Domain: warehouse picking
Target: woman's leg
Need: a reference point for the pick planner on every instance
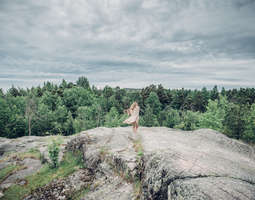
(134, 127)
(136, 123)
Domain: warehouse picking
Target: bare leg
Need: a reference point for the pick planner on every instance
(134, 127)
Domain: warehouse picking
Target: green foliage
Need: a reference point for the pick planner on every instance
(214, 93)
(179, 97)
(68, 108)
(153, 102)
(5, 114)
(162, 96)
(83, 82)
(112, 118)
(249, 131)
(51, 100)
(190, 121)
(87, 117)
(12, 120)
(169, 117)
(234, 121)
(215, 114)
(53, 150)
(75, 97)
(149, 119)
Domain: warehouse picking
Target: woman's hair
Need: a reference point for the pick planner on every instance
(133, 105)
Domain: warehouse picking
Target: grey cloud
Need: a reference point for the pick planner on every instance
(177, 43)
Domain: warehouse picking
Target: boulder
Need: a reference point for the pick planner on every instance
(201, 164)
(173, 164)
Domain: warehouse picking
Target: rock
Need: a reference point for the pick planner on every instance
(63, 188)
(202, 164)
(5, 185)
(1, 194)
(111, 188)
(21, 182)
(31, 166)
(6, 146)
(26, 143)
(156, 163)
(174, 164)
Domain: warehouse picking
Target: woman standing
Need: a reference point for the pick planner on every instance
(133, 112)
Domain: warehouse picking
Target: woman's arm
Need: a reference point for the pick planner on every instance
(128, 111)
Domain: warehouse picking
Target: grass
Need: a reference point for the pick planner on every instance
(138, 147)
(137, 189)
(10, 169)
(46, 174)
(58, 138)
(7, 171)
(32, 153)
(140, 153)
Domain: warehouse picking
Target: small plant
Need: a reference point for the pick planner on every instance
(137, 189)
(140, 153)
(53, 150)
(79, 159)
(128, 177)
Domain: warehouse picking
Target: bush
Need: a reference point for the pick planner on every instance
(215, 114)
(53, 150)
(190, 121)
(170, 117)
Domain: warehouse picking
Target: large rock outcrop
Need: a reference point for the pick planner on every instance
(160, 163)
(172, 164)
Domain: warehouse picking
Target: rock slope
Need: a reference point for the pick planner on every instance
(161, 163)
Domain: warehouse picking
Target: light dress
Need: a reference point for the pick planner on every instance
(134, 116)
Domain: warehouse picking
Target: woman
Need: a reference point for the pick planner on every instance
(133, 112)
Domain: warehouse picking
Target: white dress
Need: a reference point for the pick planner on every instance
(134, 116)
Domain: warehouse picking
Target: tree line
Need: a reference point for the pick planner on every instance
(68, 108)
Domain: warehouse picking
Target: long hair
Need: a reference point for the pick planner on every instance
(133, 105)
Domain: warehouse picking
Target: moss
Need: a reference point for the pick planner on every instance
(31, 153)
(7, 171)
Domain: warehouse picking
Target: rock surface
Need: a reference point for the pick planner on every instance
(31, 166)
(202, 164)
(11, 148)
(156, 163)
(63, 188)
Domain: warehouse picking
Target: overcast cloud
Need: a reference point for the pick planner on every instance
(128, 43)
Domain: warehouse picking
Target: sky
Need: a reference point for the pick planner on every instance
(128, 43)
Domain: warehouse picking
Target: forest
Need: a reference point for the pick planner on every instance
(68, 108)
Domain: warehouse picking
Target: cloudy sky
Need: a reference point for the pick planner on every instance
(128, 43)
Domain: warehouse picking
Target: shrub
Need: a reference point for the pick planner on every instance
(53, 150)
(190, 121)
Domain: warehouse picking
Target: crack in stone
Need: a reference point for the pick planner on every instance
(169, 181)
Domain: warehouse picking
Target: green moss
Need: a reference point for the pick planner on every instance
(43, 177)
(32, 153)
(5, 172)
